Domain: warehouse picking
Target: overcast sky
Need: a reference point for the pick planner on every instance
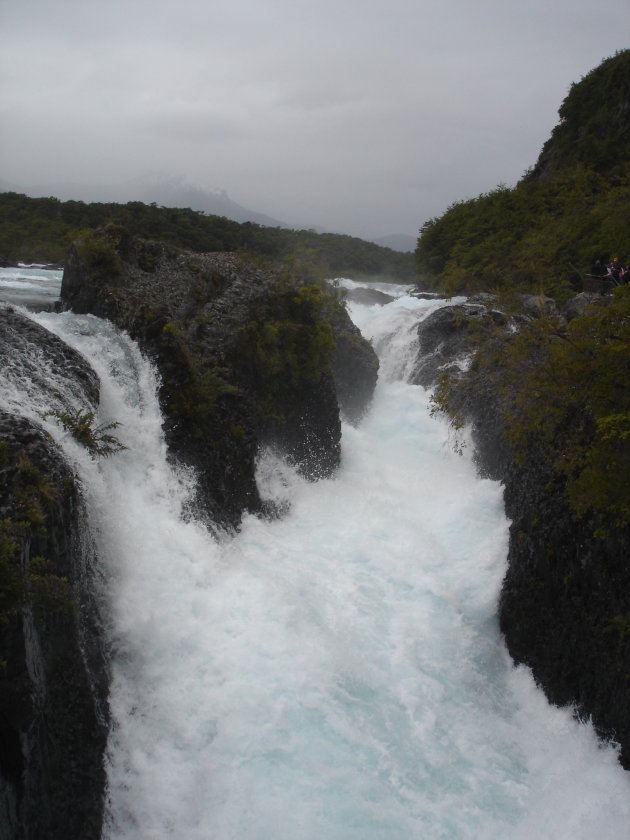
(361, 116)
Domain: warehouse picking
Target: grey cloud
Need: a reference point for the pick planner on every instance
(357, 115)
(188, 125)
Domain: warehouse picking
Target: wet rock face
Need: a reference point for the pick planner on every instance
(448, 339)
(564, 603)
(53, 678)
(240, 358)
(448, 336)
(355, 368)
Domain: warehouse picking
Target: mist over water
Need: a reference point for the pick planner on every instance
(338, 673)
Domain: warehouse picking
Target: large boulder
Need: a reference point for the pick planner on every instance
(449, 335)
(245, 358)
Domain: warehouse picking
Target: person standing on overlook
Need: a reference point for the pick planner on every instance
(615, 270)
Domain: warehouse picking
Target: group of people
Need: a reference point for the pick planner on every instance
(610, 274)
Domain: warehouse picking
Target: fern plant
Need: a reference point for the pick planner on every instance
(96, 439)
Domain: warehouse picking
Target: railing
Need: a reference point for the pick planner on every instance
(599, 285)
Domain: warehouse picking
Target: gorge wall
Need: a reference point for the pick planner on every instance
(565, 601)
(53, 673)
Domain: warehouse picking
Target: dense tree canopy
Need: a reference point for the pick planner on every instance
(593, 127)
(40, 230)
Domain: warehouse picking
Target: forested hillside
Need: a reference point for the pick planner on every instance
(571, 208)
(40, 230)
(565, 391)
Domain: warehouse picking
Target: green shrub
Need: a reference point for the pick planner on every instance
(96, 439)
(99, 254)
(567, 394)
(196, 395)
(292, 342)
(27, 579)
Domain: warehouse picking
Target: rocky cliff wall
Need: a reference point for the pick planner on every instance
(53, 673)
(565, 602)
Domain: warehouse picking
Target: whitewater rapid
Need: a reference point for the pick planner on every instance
(338, 673)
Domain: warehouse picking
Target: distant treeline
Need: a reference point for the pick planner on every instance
(40, 230)
(570, 209)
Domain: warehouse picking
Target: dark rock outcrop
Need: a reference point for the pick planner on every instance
(53, 671)
(447, 340)
(368, 297)
(244, 357)
(565, 602)
(354, 367)
(577, 305)
(448, 336)
(53, 679)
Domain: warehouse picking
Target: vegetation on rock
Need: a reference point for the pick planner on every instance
(565, 390)
(562, 393)
(96, 439)
(291, 342)
(99, 253)
(574, 402)
(24, 578)
(245, 355)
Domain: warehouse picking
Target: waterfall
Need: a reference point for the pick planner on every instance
(336, 673)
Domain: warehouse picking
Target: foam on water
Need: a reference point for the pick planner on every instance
(338, 673)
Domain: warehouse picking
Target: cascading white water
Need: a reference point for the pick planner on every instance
(338, 673)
